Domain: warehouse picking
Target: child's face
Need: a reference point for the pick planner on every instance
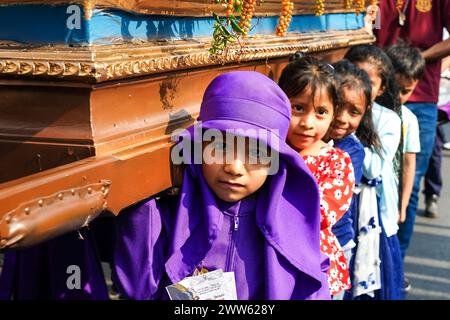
(375, 78)
(351, 113)
(311, 118)
(234, 176)
(406, 86)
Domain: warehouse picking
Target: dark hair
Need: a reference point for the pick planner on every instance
(305, 70)
(378, 58)
(350, 76)
(406, 60)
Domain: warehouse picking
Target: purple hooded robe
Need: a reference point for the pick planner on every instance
(270, 240)
(43, 271)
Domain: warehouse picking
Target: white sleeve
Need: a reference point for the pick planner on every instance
(389, 132)
(411, 142)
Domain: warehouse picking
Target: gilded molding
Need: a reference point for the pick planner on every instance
(111, 62)
(182, 7)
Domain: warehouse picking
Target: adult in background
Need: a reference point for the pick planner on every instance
(433, 177)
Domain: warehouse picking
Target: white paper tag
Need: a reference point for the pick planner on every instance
(230, 286)
(214, 285)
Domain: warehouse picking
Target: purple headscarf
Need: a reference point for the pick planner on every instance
(287, 206)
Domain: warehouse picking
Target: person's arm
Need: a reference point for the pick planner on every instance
(139, 251)
(409, 172)
(445, 63)
(441, 49)
(438, 51)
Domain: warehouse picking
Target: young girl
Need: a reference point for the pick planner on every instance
(352, 124)
(387, 280)
(231, 215)
(311, 88)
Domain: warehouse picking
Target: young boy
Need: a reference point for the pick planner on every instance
(409, 68)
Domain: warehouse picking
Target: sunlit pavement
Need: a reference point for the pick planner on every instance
(427, 264)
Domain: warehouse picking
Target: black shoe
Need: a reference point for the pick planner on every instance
(431, 206)
(406, 285)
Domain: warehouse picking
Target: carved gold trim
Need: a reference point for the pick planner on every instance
(110, 62)
(185, 7)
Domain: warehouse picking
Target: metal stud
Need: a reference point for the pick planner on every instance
(60, 196)
(72, 191)
(27, 211)
(89, 190)
(41, 203)
(8, 219)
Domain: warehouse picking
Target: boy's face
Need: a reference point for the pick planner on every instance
(406, 86)
(234, 172)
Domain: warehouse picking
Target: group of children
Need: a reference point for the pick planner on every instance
(322, 226)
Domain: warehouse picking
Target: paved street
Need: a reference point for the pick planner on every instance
(427, 264)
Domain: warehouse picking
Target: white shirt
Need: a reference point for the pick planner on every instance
(387, 124)
(411, 135)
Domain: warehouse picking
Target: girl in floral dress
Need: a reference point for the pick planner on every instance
(311, 87)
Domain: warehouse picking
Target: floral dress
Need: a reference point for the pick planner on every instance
(333, 171)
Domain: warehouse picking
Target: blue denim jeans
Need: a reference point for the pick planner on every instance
(426, 114)
(433, 176)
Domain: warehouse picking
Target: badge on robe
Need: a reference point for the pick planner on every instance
(424, 5)
(214, 285)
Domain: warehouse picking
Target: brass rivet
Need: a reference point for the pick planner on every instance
(27, 210)
(103, 188)
(8, 219)
(73, 191)
(89, 190)
(41, 203)
(60, 196)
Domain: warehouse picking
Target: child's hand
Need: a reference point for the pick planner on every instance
(401, 216)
